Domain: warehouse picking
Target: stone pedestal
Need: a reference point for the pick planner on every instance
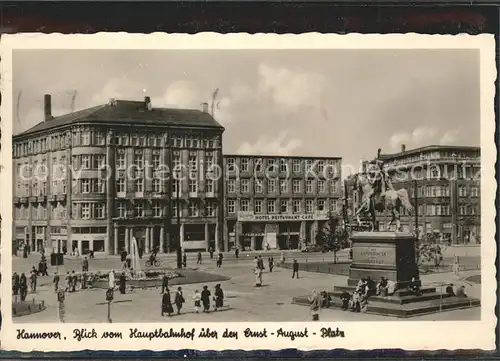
(383, 254)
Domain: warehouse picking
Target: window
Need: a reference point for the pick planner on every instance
(99, 210)
(122, 210)
(258, 206)
(231, 164)
(309, 205)
(296, 166)
(85, 161)
(99, 161)
(283, 165)
(231, 185)
(99, 138)
(193, 186)
(271, 186)
(156, 160)
(209, 162)
(474, 191)
(333, 205)
(175, 207)
(139, 209)
(156, 209)
(209, 186)
(296, 186)
(321, 186)
(139, 185)
(156, 186)
(209, 209)
(284, 206)
(100, 186)
(244, 165)
(139, 160)
(296, 206)
(86, 138)
(333, 187)
(193, 161)
(244, 205)
(245, 186)
(231, 206)
(63, 182)
(271, 206)
(176, 159)
(462, 191)
(176, 186)
(120, 161)
(258, 185)
(193, 209)
(85, 213)
(120, 185)
(284, 186)
(308, 165)
(309, 186)
(85, 185)
(321, 204)
(321, 166)
(258, 164)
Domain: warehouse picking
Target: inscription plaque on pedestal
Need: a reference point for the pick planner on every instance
(383, 254)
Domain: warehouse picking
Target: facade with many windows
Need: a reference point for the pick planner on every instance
(443, 183)
(97, 178)
(278, 202)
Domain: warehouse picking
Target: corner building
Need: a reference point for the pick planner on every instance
(443, 182)
(278, 202)
(95, 178)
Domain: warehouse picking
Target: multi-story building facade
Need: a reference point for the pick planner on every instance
(278, 202)
(443, 183)
(93, 179)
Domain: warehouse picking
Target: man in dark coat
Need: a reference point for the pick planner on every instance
(15, 284)
(198, 258)
(295, 269)
(271, 263)
(85, 264)
(211, 251)
(219, 260)
(122, 283)
(184, 260)
(164, 283)
(166, 304)
(23, 286)
(123, 255)
(205, 299)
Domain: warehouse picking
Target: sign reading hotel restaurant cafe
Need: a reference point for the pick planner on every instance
(252, 217)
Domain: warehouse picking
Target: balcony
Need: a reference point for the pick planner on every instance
(61, 197)
(23, 200)
(16, 200)
(51, 198)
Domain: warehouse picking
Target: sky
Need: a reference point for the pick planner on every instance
(339, 103)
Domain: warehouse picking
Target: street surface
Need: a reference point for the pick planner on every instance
(245, 303)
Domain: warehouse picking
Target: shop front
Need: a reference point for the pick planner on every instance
(280, 231)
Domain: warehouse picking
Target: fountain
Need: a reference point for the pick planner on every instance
(138, 273)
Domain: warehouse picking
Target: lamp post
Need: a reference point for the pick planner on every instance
(179, 250)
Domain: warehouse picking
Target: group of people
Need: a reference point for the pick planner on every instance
(199, 299)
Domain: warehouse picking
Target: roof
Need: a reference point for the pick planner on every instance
(429, 148)
(276, 156)
(133, 113)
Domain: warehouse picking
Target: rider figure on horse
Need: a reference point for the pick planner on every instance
(378, 176)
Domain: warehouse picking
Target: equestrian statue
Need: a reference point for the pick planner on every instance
(379, 195)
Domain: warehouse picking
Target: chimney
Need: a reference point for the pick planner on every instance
(147, 103)
(204, 107)
(403, 148)
(47, 107)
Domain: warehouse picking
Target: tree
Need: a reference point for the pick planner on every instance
(331, 236)
(428, 250)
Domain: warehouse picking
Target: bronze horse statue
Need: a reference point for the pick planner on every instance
(373, 200)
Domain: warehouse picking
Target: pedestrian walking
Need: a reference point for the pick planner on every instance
(179, 300)
(198, 258)
(211, 252)
(197, 301)
(315, 305)
(56, 282)
(33, 278)
(23, 286)
(61, 311)
(85, 264)
(184, 260)
(295, 268)
(219, 260)
(166, 303)
(205, 299)
(164, 283)
(219, 296)
(271, 263)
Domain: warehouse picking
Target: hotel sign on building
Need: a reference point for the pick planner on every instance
(252, 217)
